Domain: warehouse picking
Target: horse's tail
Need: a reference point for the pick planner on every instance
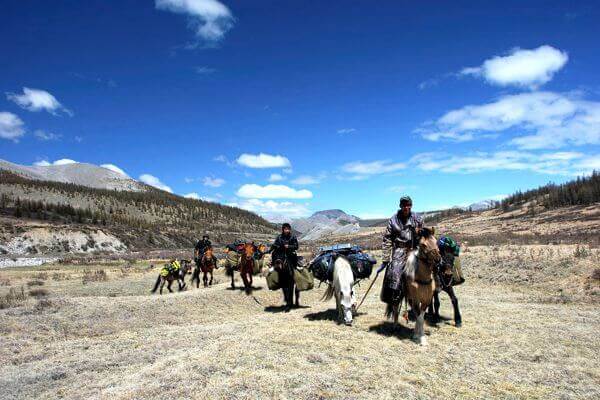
(328, 293)
(157, 284)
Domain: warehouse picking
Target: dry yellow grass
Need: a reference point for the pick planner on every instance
(114, 340)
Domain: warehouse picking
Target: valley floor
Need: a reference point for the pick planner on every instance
(111, 339)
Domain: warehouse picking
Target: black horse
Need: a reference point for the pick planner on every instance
(285, 268)
(445, 282)
(179, 276)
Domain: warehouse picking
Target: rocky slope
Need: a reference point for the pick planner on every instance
(326, 223)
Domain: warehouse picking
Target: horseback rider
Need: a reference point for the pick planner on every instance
(399, 239)
(201, 247)
(285, 246)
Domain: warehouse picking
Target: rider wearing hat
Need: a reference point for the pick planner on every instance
(201, 247)
(399, 238)
(285, 245)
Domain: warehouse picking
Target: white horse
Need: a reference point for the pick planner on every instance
(342, 288)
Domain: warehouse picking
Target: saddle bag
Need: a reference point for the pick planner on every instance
(304, 279)
(457, 275)
(273, 280)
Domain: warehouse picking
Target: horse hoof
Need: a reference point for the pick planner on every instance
(423, 341)
(458, 324)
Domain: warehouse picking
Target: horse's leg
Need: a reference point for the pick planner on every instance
(419, 333)
(338, 306)
(297, 297)
(169, 286)
(162, 285)
(211, 278)
(205, 278)
(395, 312)
(233, 279)
(454, 299)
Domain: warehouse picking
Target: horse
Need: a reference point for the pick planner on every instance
(245, 266)
(342, 288)
(445, 282)
(207, 263)
(285, 268)
(179, 276)
(418, 281)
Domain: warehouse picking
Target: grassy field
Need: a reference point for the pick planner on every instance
(530, 330)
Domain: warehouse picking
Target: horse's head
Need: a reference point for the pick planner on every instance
(428, 248)
(186, 266)
(445, 268)
(208, 253)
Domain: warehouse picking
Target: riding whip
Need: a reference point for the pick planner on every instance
(371, 285)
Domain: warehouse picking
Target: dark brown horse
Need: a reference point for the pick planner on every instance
(445, 282)
(168, 276)
(206, 264)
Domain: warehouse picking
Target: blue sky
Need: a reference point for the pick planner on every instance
(289, 107)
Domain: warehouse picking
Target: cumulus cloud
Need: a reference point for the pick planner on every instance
(362, 170)
(544, 119)
(273, 210)
(272, 192)
(276, 178)
(114, 168)
(263, 160)
(522, 67)
(213, 182)
(46, 136)
(210, 19)
(11, 126)
(154, 181)
(38, 100)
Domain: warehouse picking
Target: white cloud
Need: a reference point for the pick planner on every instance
(362, 170)
(114, 168)
(192, 195)
(346, 130)
(154, 181)
(309, 179)
(263, 160)
(524, 68)
(11, 126)
(210, 19)
(78, 139)
(213, 182)
(272, 192)
(273, 210)
(46, 136)
(188, 180)
(38, 100)
(276, 178)
(547, 119)
(203, 70)
(62, 161)
(42, 163)
(556, 163)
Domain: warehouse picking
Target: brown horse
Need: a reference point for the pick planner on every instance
(206, 264)
(418, 282)
(170, 276)
(246, 265)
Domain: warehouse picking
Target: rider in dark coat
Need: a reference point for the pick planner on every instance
(285, 245)
(399, 238)
(201, 247)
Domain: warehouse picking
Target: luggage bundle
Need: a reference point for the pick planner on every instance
(303, 277)
(361, 263)
(449, 245)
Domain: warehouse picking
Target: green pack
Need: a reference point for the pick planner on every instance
(304, 279)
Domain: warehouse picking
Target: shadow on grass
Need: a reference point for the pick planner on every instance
(241, 288)
(327, 315)
(278, 309)
(434, 321)
(387, 328)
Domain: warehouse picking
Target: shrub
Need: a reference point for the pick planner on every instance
(94, 276)
(41, 292)
(35, 282)
(13, 298)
